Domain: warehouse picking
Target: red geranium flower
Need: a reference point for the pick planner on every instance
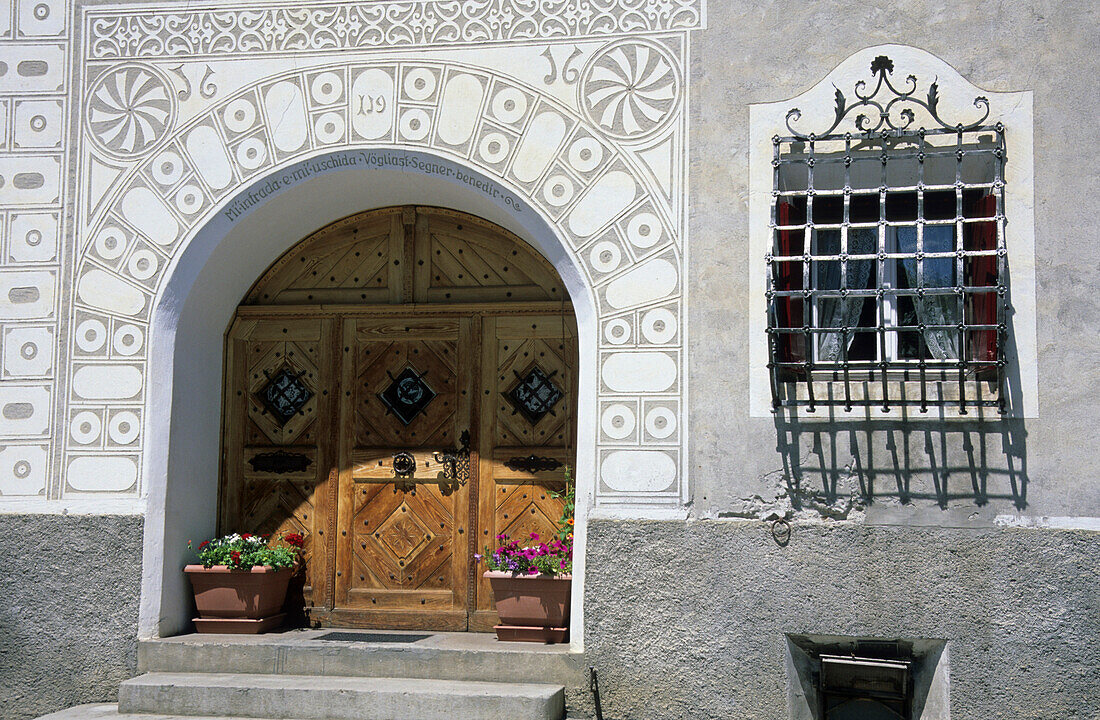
(294, 539)
(246, 536)
(235, 557)
(203, 544)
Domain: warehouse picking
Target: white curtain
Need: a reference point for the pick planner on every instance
(842, 312)
(943, 344)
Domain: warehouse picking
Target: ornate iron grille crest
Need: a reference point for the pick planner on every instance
(894, 111)
(285, 395)
(407, 395)
(534, 395)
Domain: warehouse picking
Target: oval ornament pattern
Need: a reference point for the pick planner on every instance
(630, 89)
(129, 109)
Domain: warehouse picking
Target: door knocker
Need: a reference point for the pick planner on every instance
(404, 465)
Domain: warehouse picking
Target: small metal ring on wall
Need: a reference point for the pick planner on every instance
(781, 532)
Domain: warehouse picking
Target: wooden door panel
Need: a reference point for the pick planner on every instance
(522, 432)
(402, 557)
(278, 429)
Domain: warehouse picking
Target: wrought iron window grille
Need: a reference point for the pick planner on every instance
(887, 275)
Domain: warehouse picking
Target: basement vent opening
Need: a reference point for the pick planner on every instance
(372, 637)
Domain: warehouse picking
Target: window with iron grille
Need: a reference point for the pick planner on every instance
(887, 274)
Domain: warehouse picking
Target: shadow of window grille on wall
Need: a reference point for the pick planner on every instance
(407, 395)
(284, 395)
(887, 273)
(534, 395)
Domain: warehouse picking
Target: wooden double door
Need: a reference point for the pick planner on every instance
(399, 440)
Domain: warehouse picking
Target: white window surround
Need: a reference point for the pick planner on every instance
(1013, 109)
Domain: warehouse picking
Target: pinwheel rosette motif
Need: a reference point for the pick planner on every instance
(631, 89)
(129, 109)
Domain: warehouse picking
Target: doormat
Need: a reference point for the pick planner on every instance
(371, 637)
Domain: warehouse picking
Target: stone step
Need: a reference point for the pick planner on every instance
(337, 697)
(442, 656)
(109, 711)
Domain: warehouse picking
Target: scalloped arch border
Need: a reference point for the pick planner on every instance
(613, 227)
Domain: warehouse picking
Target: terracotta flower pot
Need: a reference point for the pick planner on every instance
(532, 608)
(238, 601)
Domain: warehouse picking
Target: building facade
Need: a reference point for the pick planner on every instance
(811, 321)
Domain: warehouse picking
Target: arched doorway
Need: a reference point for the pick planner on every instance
(362, 370)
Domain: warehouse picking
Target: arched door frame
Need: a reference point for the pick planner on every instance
(202, 289)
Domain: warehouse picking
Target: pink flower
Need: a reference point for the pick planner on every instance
(533, 571)
(534, 536)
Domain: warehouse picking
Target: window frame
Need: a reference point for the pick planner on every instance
(929, 155)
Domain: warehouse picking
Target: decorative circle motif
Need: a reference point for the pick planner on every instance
(644, 230)
(33, 238)
(85, 427)
(123, 428)
(143, 264)
(110, 243)
(605, 256)
(630, 88)
(617, 331)
(38, 123)
(29, 351)
(21, 469)
(509, 105)
(494, 147)
(128, 340)
(167, 168)
(558, 190)
(189, 199)
(585, 154)
(327, 88)
(251, 153)
(409, 391)
(618, 421)
(90, 335)
(659, 326)
(41, 11)
(419, 84)
(415, 124)
(330, 127)
(130, 109)
(660, 422)
(239, 115)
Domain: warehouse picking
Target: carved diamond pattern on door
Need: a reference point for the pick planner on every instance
(273, 507)
(402, 540)
(528, 508)
(382, 362)
(271, 497)
(517, 358)
(268, 361)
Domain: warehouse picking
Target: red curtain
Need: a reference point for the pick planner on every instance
(788, 276)
(981, 308)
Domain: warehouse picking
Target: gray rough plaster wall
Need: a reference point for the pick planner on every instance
(68, 622)
(690, 617)
(765, 52)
